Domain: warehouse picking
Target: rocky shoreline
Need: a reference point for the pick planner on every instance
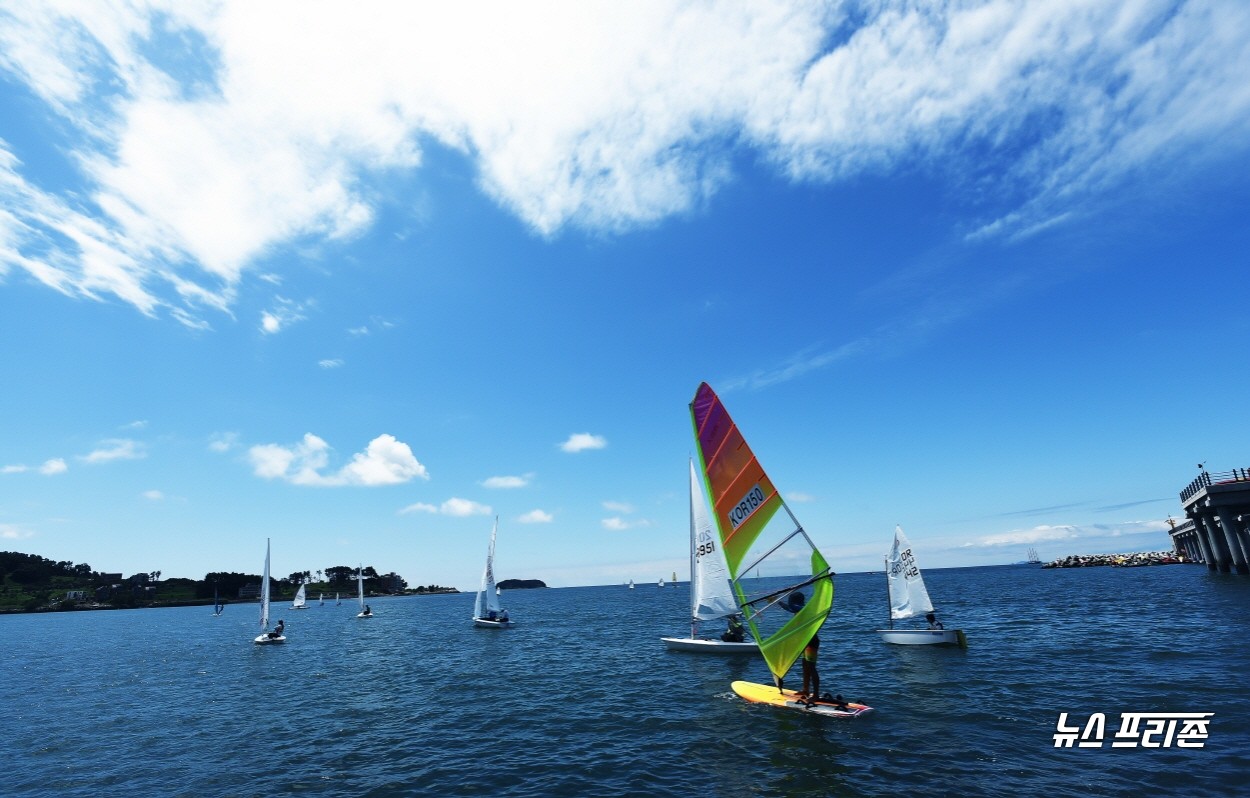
(1117, 560)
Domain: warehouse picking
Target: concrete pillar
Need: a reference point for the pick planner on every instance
(1223, 558)
(1233, 535)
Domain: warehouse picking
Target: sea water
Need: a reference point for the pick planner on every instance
(582, 698)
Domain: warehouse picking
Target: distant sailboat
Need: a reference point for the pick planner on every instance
(909, 598)
(661, 582)
(300, 602)
(711, 597)
(365, 612)
(673, 581)
(337, 601)
(1033, 559)
(321, 600)
(487, 611)
(266, 637)
(631, 584)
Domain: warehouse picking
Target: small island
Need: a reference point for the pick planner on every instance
(521, 584)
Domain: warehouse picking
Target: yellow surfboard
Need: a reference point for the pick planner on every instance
(769, 694)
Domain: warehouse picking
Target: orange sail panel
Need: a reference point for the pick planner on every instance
(743, 497)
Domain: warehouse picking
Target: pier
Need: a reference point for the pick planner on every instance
(1216, 529)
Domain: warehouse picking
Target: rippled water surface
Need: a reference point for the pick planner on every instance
(581, 698)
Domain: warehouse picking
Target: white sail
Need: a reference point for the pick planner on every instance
(300, 600)
(908, 596)
(710, 594)
(264, 593)
(360, 590)
(488, 598)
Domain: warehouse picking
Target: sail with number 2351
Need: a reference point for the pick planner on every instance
(755, 537)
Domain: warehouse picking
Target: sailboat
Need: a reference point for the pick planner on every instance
(487, 612)
(337, 601)
(661, 582)
(1032, 557)
(321, 599)
(631, 584)
(711, 597)
(909, 598)
(365, 612)
(752, 533)
(673, 582)
(217, 605)
(265, 637)
(300, 602)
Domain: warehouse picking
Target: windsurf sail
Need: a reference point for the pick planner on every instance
(908, 596)
(488, 598)
(745, 505)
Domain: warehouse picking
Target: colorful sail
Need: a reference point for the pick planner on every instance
(754, 538)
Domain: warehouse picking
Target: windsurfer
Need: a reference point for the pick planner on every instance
(811, 678)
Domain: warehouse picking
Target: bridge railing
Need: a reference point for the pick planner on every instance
(1206, 479)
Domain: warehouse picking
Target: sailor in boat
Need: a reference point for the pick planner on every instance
(278, 630)
(503, 616)
(367, 610)
(934, 623)
(734, 634)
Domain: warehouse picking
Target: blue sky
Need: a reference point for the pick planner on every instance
(359, 283)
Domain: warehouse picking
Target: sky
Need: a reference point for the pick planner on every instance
(360, 283)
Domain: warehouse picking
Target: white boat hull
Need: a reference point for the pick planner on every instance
(266, 640)
(923, 637)
(486, 623)
(710, 646)
(364, 615)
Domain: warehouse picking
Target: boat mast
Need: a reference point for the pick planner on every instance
(889, 602)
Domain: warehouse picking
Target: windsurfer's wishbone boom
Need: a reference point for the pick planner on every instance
(744, 501)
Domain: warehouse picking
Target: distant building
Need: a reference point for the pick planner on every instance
(250, 591)
(75, 595)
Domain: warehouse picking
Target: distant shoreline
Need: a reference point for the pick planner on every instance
(102, 606)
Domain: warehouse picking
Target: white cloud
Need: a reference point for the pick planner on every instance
(14, 469)
(153, 495)
(329, 363)
(617, 524)
(536, 517)
(223, 442)
(463, 507)
(386, 461)
(454, 507)
(14, 532)
(419, 507)
(53, 466)
(583, 440)
(618, 507)
(284, 313)
(507, 482)
(258, 134)
(115, 449)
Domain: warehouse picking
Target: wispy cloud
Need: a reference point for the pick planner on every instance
(618, 507)
(183, 179)
(618, 524)
(507, 482)
(581, 441)
(54, 466)
(330, 363)
(115, 449)
(536, 517)
(283, 314)
(153, 495)
(386, 461)
(14, 532)
(460, 508)
(222, 442)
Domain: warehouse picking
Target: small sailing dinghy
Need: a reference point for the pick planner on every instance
(321, 599)
(488, 613)
(631, 584)
(745, 506)
(300, 602)
(711, 597)
(909, 598)
(277, 635)
(365, 611)
(217, 605)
